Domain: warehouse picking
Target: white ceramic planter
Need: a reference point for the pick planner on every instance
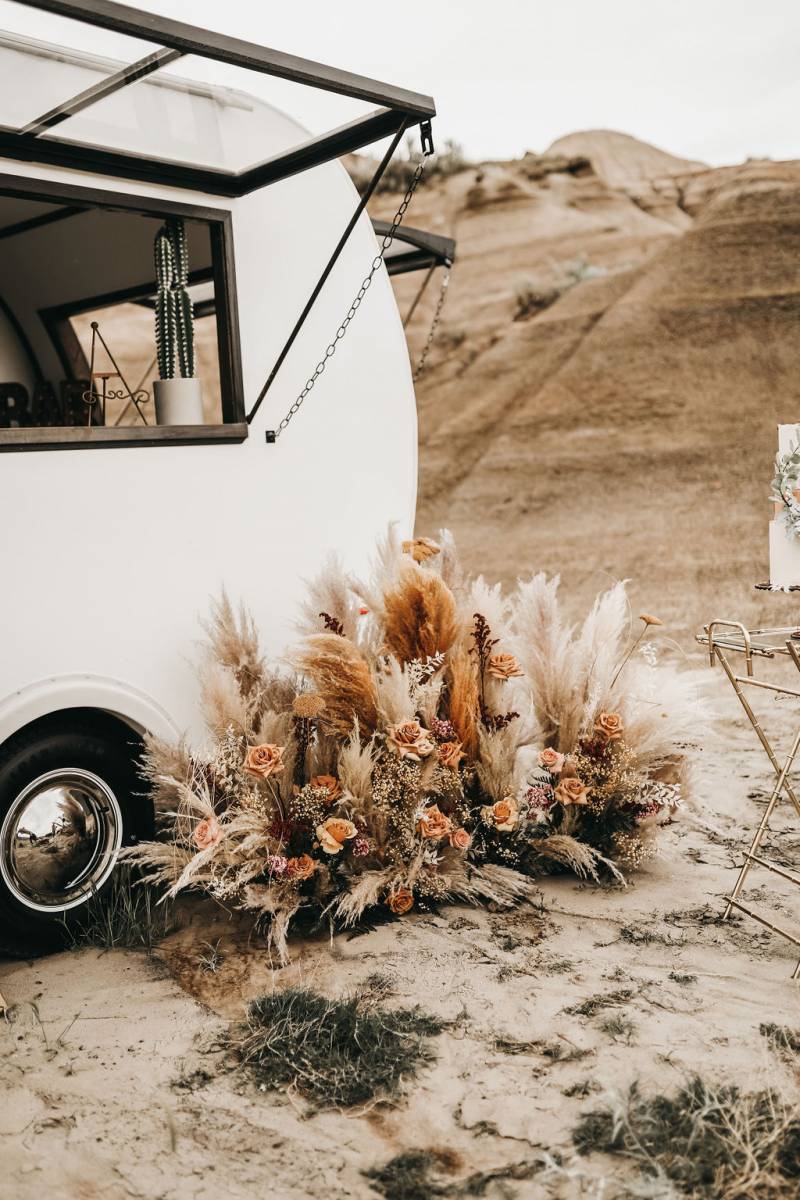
(178, 401)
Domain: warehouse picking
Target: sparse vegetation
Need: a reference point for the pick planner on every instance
(679, 977)
(619, 1027)
(336, 1053)
(595, 1004)
(707, 1141)
(211, 960)
(533, 296)
(449, 160)
(417, 1175)
(126, 917)
(780, 1037)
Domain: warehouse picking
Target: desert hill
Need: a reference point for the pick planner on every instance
(611, 365)
(620, 159)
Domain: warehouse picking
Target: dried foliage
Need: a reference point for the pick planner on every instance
(336, 1053)
(703, 1141)
(436, 742)
(420, 616)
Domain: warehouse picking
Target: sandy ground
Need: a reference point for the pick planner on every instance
(115, 1083)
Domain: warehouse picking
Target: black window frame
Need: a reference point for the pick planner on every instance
(223, 274)
(398, 108)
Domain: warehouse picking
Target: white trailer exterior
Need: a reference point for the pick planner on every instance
(111, 551)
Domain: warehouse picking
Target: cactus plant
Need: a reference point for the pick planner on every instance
(173, 315)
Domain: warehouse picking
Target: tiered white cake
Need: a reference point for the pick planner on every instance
(784, 547)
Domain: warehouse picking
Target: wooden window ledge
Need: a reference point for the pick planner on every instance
(97, 436)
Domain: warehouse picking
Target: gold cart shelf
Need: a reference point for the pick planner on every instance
(724, 639)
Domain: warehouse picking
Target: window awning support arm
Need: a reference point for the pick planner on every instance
(351, 224)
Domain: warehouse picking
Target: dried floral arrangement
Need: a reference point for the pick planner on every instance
(430, 738)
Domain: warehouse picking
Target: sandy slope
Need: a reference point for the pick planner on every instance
(628, 429)
(96, 1107)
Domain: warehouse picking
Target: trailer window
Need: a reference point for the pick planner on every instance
(84, 301)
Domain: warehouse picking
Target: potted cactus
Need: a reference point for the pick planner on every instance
(179, 399)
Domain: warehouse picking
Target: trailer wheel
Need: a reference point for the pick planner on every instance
(65, 810)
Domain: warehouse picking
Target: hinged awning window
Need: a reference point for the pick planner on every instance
(140, 96)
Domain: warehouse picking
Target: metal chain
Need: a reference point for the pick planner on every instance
(359, 296)
(423, 358)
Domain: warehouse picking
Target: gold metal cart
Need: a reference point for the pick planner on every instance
(725, 639)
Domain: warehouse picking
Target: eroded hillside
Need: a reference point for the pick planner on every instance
(610, 368)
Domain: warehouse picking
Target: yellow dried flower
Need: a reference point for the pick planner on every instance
(420, 549)
(650, 620)
(308, 705)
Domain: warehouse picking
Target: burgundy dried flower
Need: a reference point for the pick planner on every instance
(443, 731)
(361, 847)
(540, 797)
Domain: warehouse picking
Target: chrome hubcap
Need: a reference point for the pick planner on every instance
(60, 839)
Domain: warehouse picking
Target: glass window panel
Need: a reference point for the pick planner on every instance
(206, 113)
(45, 60)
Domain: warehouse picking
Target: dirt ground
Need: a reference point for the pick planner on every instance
(115, 1084)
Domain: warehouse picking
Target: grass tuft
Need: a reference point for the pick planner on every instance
(126, 917)
(336, 1053)
(413, 1176)
(706, 1141)
(781, 1037)
(595, 1004)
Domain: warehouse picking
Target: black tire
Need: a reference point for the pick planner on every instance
(93, 765)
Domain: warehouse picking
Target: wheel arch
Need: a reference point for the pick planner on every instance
(109, 702)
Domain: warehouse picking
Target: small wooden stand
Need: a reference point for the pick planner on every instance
(723, 639)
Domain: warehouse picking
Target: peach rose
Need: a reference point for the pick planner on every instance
(264, 761)
(572, 791)
(503, 666)
(460, 839)
(333, 834)
(331, 786)
(450, 754)
(207, 833)
(420, 549)
(551, 760)
(410, 740)
(434, 824)
(400, 900)
(503, 815)
(302, 867)
(609, 726)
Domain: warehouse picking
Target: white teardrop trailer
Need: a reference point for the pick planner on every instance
(117, 529)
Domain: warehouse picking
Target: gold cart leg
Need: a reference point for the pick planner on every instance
(762, 827)
(762, 737)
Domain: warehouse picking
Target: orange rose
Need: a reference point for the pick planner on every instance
(503, 815)
(460, 839)
(264, 761)
(420, 549)
(434, 824)
(333, 834)
(400, 900)
(503, 666)
(410, 740)
(551, 760)
(302, 867)
(331, 786)
(450, 754)
(207, 833)
(572, 791)
(609, 726)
